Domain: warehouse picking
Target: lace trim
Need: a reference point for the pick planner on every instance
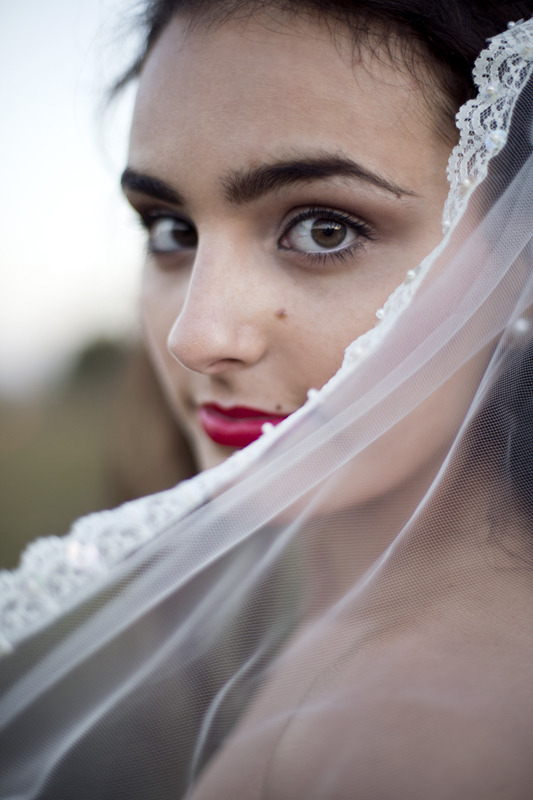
(55, 573)
(500, 75)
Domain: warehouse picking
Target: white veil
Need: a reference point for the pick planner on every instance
(282, 592)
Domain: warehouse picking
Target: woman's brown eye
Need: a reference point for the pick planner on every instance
(169, 235)
(327, 233)
(320, 234)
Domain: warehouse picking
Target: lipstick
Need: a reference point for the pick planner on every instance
(237, 426)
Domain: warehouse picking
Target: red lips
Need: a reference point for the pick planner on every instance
(237, 426)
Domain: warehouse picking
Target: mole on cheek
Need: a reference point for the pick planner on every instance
(281, 313)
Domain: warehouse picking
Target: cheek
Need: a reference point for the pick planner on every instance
(162, 298)
(340, 314)
(161, 301)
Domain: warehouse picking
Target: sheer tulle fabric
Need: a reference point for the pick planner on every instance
(387, 533)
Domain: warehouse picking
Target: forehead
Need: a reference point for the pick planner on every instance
(236, 94)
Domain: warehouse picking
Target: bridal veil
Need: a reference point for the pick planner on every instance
(259, 598)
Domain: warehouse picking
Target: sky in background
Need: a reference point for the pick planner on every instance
(70, 250)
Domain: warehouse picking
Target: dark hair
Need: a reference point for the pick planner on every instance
(443, 36)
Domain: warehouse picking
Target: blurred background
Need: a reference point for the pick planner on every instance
(70, 259)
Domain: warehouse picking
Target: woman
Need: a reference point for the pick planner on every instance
(341, 608)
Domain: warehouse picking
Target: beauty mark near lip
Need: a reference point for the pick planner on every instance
(237, 426)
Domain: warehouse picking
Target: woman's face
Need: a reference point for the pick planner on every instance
(287, 186)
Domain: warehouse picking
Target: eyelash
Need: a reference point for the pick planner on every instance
(356, 225)
(148, 219)
(362, 230)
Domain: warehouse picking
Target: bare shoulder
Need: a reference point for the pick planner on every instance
(442, 710)
(420, 723)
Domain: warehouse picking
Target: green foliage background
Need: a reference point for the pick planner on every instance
(54, 450)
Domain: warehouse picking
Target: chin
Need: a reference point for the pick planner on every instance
(208, 453)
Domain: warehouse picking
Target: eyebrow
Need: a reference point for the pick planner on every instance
(244, 186)
(153, 187)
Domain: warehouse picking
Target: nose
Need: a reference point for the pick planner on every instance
(221, 325)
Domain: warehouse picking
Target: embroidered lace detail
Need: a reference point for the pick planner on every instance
(500, 73)
(53, 570)
(55, 573)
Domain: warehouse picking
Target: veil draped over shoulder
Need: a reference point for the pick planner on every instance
(349, 595)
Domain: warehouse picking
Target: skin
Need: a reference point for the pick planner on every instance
(238, 317)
